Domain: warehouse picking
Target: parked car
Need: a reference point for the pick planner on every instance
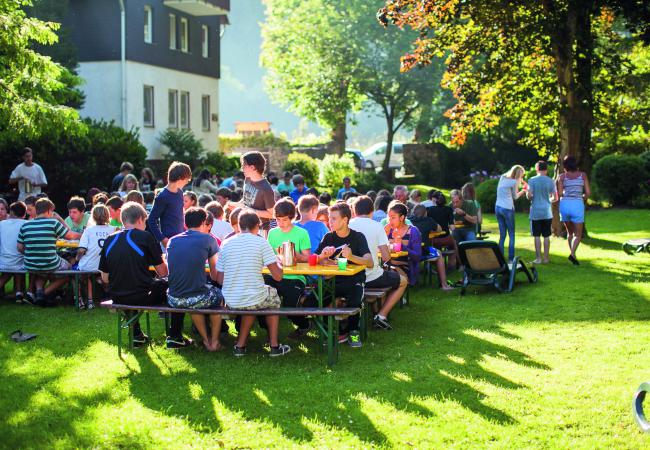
(357, 156)
(374, 156)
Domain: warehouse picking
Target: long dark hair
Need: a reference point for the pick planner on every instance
(203, 175)
(439, 197)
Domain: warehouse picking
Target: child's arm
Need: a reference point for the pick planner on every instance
(158, 208)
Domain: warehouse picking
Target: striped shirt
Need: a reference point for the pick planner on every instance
(241, 260)
(39, 238)
(573, 187)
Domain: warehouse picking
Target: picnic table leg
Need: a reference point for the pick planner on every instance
(332, 341)
(119, 334)
(75, 286)
(130, 325)
(148, 325)
(321, 336)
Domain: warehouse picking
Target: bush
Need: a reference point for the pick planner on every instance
(73, 163)
(182, 146)
(486, 194)
(619, 178)
(227, 144)
(645, 158)
(334, 168)
(369, 180)
(220, 164)
(305, 164)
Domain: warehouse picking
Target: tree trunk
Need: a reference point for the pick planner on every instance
(575, 88)
(338, 137)
(385, 167)
(423, 128)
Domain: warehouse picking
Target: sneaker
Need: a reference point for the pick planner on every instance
(39, 299)
(238, 352)
(90, 305)
(280, 350)
(19, 298)
(300, 333)
(574, 260)
(343, 338)
(355, 339)
(178, 343)
(81, 304)
(380, 322)
(140, 340)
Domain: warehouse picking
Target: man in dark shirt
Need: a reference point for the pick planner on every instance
(344, 242)
(258, 193)
(124, 265)
(125, 169)
(166, 218)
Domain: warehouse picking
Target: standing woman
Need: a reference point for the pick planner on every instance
(574, 190)
(509, 189)
(410, 239)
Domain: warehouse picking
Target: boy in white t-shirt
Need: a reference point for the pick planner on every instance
(220, 228)
(90, 246)
(10, 258)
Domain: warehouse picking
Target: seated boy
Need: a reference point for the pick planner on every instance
(37, 241)
(10, 258)
(291, 287)
(77, 219)
(124, 265)
(29, 207)
(114, 208)
(239, 271)
(186, 256)
(220, 228)
(300, 188)
(377, 277)
(308, 207)
(346, 243)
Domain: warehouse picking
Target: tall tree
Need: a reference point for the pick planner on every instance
(29, 81)
(529, 60)
(311, 64)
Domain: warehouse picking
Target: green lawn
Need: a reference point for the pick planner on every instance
(552, 365)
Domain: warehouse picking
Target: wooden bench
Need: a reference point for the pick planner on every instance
(74, 274)
(129, 314)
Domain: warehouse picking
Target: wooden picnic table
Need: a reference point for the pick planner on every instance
(394, 255)
(61, 243)
(435, 234)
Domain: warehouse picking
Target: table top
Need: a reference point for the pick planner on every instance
(396, 254)
(306, 269)
(67, 244)
(435, 234)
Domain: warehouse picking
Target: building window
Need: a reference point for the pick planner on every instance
(148, 106)
(173, 108)
(172, 31)
(205, 43)
(148, 24)
(184, 36)
(205, 112)
(185, 109)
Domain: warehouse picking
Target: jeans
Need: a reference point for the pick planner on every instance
(506, 220)
(464, 234)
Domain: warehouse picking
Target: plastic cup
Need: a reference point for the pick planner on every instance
(343, 263)
(313, 260)
(397, 247)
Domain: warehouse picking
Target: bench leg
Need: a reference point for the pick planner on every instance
(363, 325)
(149, 325)
(321, 336)
(332, 341)
(119, 334)
(75, 286)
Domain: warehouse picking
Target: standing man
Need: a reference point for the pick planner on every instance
(541, 192)
(125, 169)
(28, 175)
(258, 193)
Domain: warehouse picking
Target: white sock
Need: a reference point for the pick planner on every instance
(380, 316)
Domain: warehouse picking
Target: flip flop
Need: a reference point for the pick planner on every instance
(19, 336)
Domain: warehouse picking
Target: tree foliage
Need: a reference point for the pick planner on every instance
(182, 145)
(31, 85)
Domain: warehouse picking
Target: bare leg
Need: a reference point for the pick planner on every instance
(199, 323)
(39, 282)
(547, 248)
(569, 235)
(19, 283)
(244, 329)
(577, 237)
(442, 274)
(394, 297)
(3, 280)
(32, 283)
(89, 284)
(215, 322)
(538, 250)
(272, 323)
(54, 285)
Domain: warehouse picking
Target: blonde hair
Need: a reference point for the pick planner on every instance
(130, 177)
(100, 214)
(515, 171)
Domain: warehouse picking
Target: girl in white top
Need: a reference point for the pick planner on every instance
(129, 183)
(91, 244)
(509, 189)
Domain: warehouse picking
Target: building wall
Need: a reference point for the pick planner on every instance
(103, 94)
(95, 29)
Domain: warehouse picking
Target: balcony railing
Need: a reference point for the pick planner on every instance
(200, 7)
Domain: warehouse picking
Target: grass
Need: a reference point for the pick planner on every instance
(552, 365)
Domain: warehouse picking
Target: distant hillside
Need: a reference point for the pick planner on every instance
(242, 95)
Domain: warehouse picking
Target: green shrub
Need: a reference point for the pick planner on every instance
(220, 164)
(486, 194)
(182, 145)
(645, 158)
(306, 166)
(227, 144)
(619, 178)
(334, 168)
(369, 180)
(73, 164)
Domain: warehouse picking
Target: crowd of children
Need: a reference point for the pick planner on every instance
(235, 227)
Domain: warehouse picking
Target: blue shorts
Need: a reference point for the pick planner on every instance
(572, 210)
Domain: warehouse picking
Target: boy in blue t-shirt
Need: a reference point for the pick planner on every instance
(308, 207)
(541, 191)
